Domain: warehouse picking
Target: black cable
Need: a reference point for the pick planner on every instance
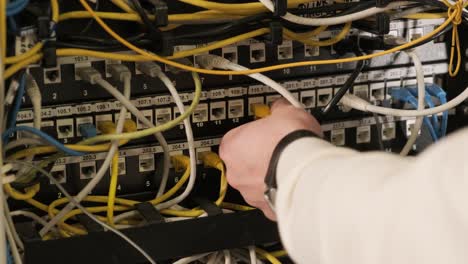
(101, 41)
(347, 85)
(155, 33)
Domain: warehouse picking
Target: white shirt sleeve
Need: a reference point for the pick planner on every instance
(335, 205)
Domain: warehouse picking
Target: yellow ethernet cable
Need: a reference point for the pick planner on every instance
(320, 43)
(17, 195)
(455, 13)
(122, 5)
(272, 259)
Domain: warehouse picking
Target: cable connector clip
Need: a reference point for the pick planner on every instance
(281, 7)
(119, 72)
(160, 13)
(275, 37)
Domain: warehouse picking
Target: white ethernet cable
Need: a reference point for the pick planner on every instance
(31, 215)
(252, 255)
(34, 93)
(330, 21)
(12, 242)
(421, 96)
(191, 146)
(209, 61)
(86, 212)
(9, 221)
(355, 102)
(191, 259)
(90, 73)
(154, 71)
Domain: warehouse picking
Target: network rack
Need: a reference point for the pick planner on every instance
(70, 104)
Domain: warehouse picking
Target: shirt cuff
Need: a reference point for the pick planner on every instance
(296, 153)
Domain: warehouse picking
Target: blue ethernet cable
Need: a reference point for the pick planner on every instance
(49, 139)
(402, 94)
(17, 103)
(430, 103)
(438, 92)
(16, 7)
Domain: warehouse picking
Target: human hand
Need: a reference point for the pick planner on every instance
(247, 150)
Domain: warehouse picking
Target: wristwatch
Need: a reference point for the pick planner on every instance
(270, 178)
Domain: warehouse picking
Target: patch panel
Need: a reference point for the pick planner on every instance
(146, 163)
(363, 134)
(217, 111)
(235, 108)
(361, 91)
(388, 131)
(324, 96)
(338, 137)
(65, 128)
(285, 50)
(377, 92)
(59, 172)
(122, 166)
(80, 121)
(200, 114)
(311, 51)
(148, 113)
(308, 98)
(257, 52)
(87, 170)
(230, 53)
(163, 115)
(52, 75)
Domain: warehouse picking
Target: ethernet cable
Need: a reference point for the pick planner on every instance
(320, 43)
(421, 96)
(95, 76)
(179, 162)
(9, 220)
(44, 136)
(34, 93)
(12, 243)
(252, 255)
(435, 90)
(191, 259)
(453, 16)
(212, 61)
(409, 98)
(430, 104)
(330, 21)
(121, 73)
(362, 105)
(17, 102)
(86, 212)
(272, 259)
(153, 70)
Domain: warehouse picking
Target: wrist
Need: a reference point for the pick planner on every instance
(271, 175)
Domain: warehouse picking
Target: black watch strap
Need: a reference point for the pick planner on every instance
(270, 178)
